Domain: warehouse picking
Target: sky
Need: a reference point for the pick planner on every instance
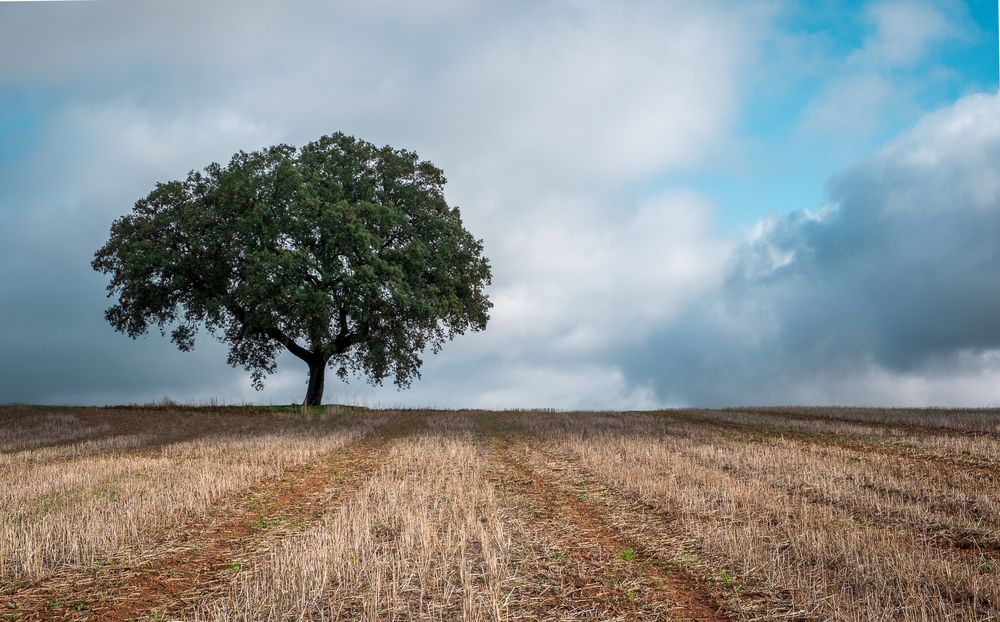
(684, 203)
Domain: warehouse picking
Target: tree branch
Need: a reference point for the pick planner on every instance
(290, 344)
(343, 339)
(272, 332)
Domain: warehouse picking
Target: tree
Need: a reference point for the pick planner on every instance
(343, 253)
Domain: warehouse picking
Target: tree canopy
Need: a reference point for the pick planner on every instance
(343, 253)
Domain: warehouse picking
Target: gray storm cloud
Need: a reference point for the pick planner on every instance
(542, 114)
(889, 294)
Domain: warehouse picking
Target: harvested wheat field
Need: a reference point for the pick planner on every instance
(351, 514)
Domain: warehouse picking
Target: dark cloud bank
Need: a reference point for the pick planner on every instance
(895, 283)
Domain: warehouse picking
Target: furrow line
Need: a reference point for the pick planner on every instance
(200, 554)
(660, 592)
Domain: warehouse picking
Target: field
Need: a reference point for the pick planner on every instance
(166, 513)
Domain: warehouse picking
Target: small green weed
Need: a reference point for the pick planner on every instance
(724, 576)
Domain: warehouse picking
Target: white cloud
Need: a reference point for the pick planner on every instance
(515, 384)
(854, 104)
(904, 30)
(549, 118)
(880, 82)
(543, 115)
(971, 380)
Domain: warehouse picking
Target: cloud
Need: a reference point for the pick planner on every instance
(546, 116)
(556, 123)
(880, 83)
(889, 294)
(856, 104)
(904, 30)
(582, 88)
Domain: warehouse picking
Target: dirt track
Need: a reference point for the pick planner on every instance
(198, 554)
(595, 538)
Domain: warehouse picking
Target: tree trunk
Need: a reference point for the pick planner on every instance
(317, 372)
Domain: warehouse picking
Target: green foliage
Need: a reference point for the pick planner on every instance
(344, 253)
(628, 554)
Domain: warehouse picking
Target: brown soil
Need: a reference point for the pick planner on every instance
(594, 535)
(201, 553)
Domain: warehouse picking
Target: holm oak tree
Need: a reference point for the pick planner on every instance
(343, 253)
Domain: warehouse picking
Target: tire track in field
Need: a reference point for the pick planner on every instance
(198, 556)
(671, 595)
(859, 445)
(648, 520)
(961, 539)
(827, 414)
(93, 433)
(127, 435)
(964, 540)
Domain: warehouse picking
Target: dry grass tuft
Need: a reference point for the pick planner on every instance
(86, 502)
(837, 533)
(422, 540)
